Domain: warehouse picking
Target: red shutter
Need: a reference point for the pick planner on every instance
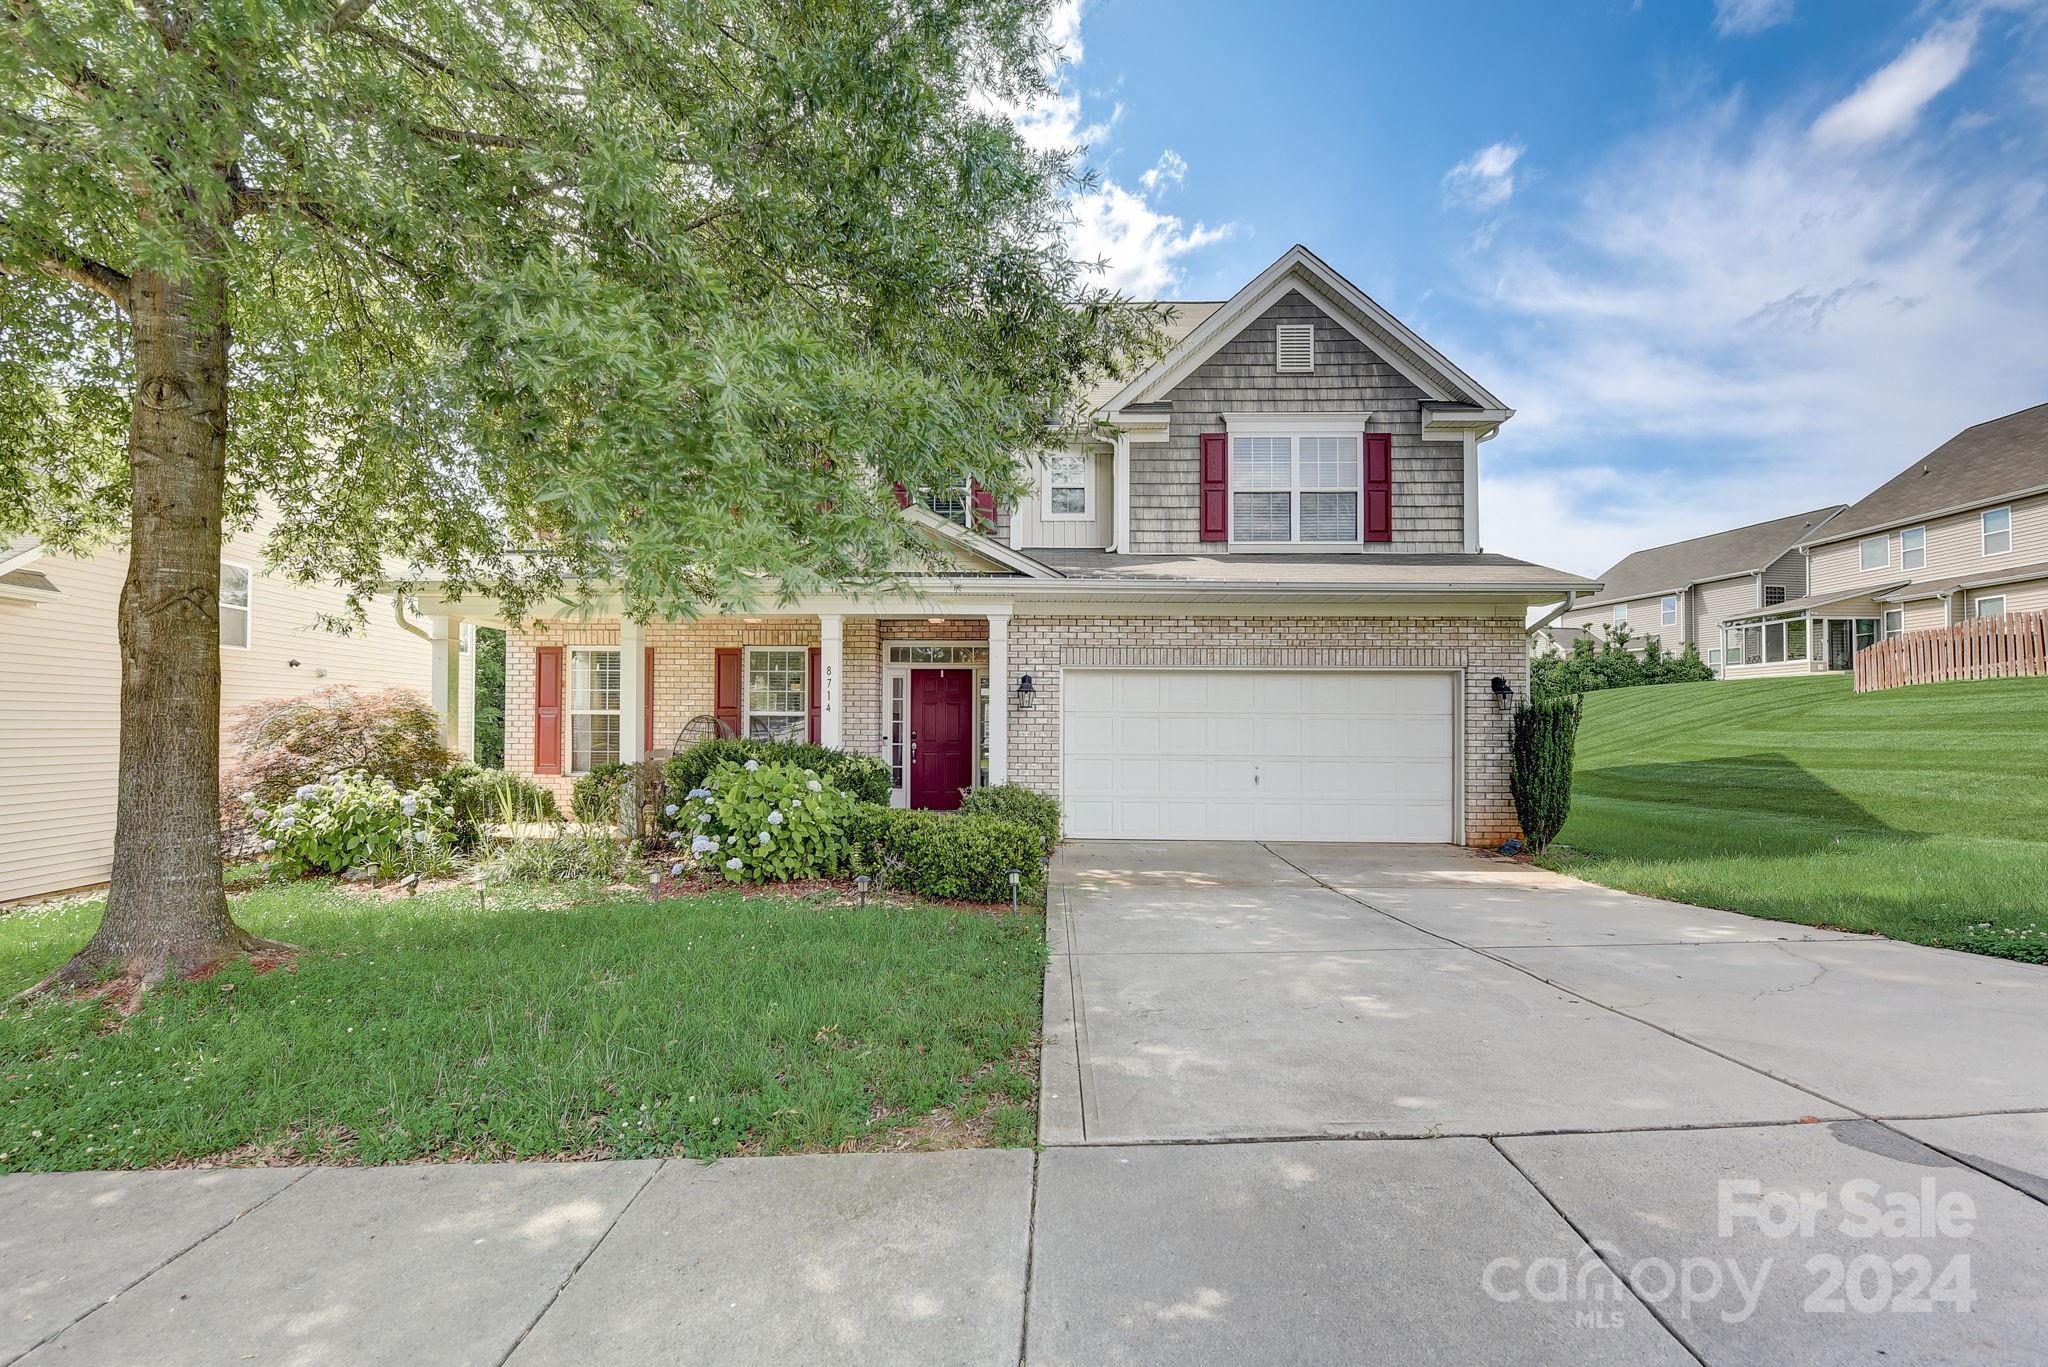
(1379, 486)
(1215, 486)
(984, 504)
(547, 710)
(725, 694)
(902, 497)
(811, 695)
(647, 717)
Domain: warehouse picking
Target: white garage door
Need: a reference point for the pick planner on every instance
(1259, 755)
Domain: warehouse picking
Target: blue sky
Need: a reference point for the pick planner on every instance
(1728, 260)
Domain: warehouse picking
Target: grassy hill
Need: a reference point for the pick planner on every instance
(1919, 813)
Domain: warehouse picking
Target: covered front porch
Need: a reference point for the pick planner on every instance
(923, 687)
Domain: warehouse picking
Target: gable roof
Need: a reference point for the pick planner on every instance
(1742, 550)
(1992, 461)
(1182, 317)
(1301, 270)
(976, 546)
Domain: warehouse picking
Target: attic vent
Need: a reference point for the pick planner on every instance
(1295, 348)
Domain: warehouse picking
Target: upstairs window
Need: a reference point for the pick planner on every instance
(1294, 348)
(235, 608)
(1667, 610)
(1621, 614)
(1303, 489)
(955, 502)
(1913, 548)
(1876, 552)
(1069, 488)
(1997, 531)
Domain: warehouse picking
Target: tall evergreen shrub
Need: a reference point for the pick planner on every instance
(1540, 765)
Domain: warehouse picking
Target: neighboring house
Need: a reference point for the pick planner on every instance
(1962, 532)
(1552, 639)
(60, 688)
(1250, 604)
(1683, 593)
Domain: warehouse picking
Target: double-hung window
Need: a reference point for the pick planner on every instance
(593, 707)
(954, 502)
(777, 680)
(1997, 524)
(1875, 552)
(1667, 610)
(1621, 614)
(236, 609)
(1913, 548)
(1994, 606)
(1301, 488)
(1894, 623)
(1069, 487)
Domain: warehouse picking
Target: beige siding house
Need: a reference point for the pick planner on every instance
(1680, 594)
(1248, 601)
(1962, 532)
(60, 681)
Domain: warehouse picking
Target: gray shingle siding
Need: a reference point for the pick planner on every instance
(1429, 489)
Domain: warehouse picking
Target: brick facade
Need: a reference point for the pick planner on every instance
(1041, 646)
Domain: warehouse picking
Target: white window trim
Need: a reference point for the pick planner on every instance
(1295, 488)
(1977, 605)
(1667, 610)
(247, 609)
(1087, 487)
(803, 712)
(1863, 560)
(1620, 614)
(1984, 532)
(1906, 551)
(891, 671)
(571, 712)
(965, 520)
(1890, 632)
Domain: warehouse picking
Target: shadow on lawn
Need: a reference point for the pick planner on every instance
(1733, 793)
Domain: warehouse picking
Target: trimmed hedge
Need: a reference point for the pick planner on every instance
(476, 797)
(862, 777)
(952, 855)
(1016, 803)
(1540, 765)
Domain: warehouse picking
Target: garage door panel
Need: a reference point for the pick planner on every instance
(1270, 755)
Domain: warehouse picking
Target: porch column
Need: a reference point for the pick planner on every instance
(444, 686)
(632, 691)
(1121, 476)
(998, 698)
(831, 668)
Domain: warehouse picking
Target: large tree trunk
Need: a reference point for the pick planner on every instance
(167, 914)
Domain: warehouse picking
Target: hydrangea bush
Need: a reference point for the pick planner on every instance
(756, 822)
(351, 820)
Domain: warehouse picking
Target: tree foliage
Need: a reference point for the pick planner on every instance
(674, 293)
(1614, 663)
(1545, 733)
(490, 698)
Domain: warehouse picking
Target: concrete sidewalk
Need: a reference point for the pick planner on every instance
(1301, 1105)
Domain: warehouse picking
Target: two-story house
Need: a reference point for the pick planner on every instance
(1681, 594)
(1251, 603)
(1961, 532)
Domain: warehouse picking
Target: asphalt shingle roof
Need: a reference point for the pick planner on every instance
(1980, 464)
(1743, 550)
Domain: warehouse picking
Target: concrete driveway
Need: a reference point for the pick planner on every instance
(1452, 1102)
(1301, 1105)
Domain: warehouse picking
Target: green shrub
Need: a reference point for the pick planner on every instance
(1540, 765)
(953, 855)
(279, 745)
(861, 777)
(570, 854)
(475, 798)
(352, 821)
(1017, 803)
(754, 822)
(595, 798)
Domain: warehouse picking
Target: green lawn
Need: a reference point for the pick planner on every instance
(430, 1029)
(1919, 813)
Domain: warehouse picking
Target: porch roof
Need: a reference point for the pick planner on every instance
(1941, 588)
(1411, 572)
(1797, 607)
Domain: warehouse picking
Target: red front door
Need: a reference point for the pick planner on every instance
(941, 736)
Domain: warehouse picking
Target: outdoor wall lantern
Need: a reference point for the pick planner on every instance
(1503, 692)
(1027, 694)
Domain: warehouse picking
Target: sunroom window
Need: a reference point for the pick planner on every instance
(777, 677)
(1302, 489)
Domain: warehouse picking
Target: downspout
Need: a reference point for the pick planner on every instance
(1571, 596)
(398, 611)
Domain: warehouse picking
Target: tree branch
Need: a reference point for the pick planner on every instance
(82, 271)
(347, 13)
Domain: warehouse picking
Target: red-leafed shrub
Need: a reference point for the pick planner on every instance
(280, 745)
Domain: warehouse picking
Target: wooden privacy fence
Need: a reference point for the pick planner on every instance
(2006, 647)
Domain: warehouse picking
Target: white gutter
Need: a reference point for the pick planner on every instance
(1560, 610)
(398, 611)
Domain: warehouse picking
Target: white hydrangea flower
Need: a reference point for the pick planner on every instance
(672, 809)
(764, 837)
(675, 870)
(796, 802)
(409, 805)
(774, 819)
(305, 790)
(815, 786)
(703, 844)
(752, 765)
(733, 864)
(269, 845)
(257, 814)
(248, 798)
(703, 817)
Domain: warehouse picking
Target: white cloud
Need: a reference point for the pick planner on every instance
(1734, 18)
(1138, 245)
(1486, 179)
(1733, 324)
(1890, 101)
